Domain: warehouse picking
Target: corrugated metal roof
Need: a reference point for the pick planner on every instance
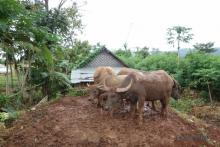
(87, 68)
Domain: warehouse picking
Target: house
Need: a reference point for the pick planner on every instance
(3, 69)
(83, 73)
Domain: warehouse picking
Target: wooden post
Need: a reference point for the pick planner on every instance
(210, 96)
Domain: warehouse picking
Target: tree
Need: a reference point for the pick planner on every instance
(65, 22)
(142, 52)
(78, 52)
(207, 77)
(31, 40)
(179, 34)
(155, 51)
(205, 47)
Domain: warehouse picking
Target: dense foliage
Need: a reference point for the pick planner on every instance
(39, 47)
(197, 70)
(34, 41)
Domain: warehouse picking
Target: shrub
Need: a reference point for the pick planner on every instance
(3, 100)
(186, 104)
(9, 116)
(77, 91)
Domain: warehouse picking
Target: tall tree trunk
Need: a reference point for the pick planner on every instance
(17, 73)
(28, 77)
(7, 79)
(178, 52)
(210, 95)
(23, 81)
(46, 2)
(11, 73)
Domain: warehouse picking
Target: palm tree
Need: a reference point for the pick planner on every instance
(179, 34)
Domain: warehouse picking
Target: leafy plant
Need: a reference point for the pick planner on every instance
(207, 77)
(77, 92)
(3, 100)
(178, 34)
(205, 47)
(186, 104)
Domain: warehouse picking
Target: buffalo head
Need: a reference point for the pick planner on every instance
(113, 96)
(176, 90)
(94, 91)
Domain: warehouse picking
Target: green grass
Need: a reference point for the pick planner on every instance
(77, 91)
(3, 82)
(186, 104)
(9, 117)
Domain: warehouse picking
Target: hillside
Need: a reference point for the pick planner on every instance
(185, 51)
(75, 121)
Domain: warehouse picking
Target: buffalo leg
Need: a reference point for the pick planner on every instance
(153, 106)
(141, 109)
(100, 100)
(112, 113)
(132, 109)
(163, 107)
(166, 104)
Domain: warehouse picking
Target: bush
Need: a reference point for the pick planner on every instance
(165, 61)
(186, 104)
(197, 70)
(3, 100)
(9, 116)
(77, 91)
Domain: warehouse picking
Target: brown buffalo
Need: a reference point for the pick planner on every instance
(126, 71)
(156, 85)
(100, 74)
(103, 74)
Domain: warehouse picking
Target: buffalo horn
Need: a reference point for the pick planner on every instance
(125, 88)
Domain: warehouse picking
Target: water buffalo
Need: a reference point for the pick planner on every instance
(126, 71)
(156, 85)
(103, 74)
(100, 74)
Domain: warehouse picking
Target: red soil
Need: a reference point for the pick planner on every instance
(74, 121)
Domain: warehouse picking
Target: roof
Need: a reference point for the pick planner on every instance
(101, 57)
(96, 53)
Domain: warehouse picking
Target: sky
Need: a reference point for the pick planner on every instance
(142, 23)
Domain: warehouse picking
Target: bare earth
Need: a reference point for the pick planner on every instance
(74, 121)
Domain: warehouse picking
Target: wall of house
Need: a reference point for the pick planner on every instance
(85, 74)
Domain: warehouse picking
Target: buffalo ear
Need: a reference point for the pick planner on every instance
(175, 83)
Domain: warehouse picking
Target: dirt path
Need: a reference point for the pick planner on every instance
(74, 121)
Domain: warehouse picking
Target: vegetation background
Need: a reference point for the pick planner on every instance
(39, 48)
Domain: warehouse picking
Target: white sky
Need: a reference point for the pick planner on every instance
(144, 22)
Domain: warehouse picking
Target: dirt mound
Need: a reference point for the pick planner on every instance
(74, 121)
